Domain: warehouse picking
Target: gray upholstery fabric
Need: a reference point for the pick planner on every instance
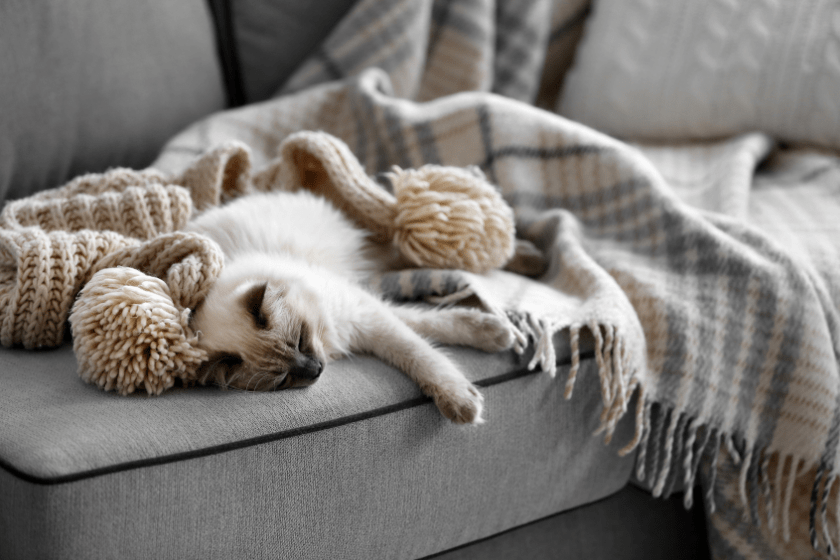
(273, 37)
(357, 466)
(92, 84)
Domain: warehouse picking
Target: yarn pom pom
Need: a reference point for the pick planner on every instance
(449, 217)
(128, 333)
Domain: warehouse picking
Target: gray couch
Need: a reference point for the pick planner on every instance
(360, 465)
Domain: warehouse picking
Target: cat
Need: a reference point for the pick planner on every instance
(291, 298)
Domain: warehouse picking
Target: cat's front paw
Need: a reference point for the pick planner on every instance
(490, 333)
(461, 403)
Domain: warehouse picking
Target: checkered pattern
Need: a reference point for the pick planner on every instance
(730, 333)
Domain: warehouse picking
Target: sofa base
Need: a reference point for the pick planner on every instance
(628, 524)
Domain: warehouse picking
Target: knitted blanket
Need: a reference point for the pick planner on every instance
(710, 287)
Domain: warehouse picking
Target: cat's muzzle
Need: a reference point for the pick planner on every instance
(306, 370)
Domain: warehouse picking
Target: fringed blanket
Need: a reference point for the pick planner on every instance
(710, 285)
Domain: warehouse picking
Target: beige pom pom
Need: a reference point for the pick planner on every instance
(449, 217)
(128, 333)
(441, 216)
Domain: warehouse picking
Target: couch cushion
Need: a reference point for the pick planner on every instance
(359, 465)
(683, 69)
(98, 83)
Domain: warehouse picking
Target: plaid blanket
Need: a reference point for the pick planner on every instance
(708, 281)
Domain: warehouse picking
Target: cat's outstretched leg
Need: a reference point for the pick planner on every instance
(458, 325)
(386, 336)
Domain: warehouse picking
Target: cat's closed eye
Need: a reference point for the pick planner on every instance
(253, 302)
(304, 343)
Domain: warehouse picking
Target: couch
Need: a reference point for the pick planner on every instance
(360, 465)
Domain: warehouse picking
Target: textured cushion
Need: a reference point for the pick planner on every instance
(273, 37)
(686, 69)
(98, 83)
(359, 465)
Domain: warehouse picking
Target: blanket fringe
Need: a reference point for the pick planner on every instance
(769, 511)
(829, 544)
(674, 447)
(836, 513)
(673, 443)
(617, 380)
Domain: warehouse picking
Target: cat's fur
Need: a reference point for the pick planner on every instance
(291, 299)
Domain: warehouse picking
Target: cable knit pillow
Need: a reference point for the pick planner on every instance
(689, 69)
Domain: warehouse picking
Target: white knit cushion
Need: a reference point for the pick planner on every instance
(688, 69)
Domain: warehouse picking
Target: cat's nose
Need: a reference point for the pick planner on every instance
(307, 368)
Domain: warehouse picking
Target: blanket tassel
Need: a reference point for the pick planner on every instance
(669, 448)
(764, 475)
(641, 458)
(820, 500)
(794, 467)
(837, 511)
(742, 482)
(616, 379)
(829, 544)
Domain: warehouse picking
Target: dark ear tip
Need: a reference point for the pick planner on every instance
(253, 300)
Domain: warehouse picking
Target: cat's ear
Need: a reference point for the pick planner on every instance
(253, 302)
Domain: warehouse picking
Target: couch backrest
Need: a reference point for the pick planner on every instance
(270, 38)
(91, 84)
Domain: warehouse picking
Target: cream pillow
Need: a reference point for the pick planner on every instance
(690, 69)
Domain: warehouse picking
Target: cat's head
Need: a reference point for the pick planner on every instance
(261, 334)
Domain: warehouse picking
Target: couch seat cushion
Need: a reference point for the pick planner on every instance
(360, 465)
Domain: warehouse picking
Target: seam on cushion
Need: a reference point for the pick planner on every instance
(266, 438)
(228, 51)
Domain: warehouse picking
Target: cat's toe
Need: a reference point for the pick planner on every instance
(462, 405)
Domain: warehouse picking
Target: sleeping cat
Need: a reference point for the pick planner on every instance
(290, 299)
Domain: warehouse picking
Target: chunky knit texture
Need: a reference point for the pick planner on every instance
(451, 218)
(40, 275)
(129, 333)
(53, 243)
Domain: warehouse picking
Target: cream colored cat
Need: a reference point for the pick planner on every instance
(290, 300)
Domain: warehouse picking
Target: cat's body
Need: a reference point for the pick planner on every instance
(291, 299)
